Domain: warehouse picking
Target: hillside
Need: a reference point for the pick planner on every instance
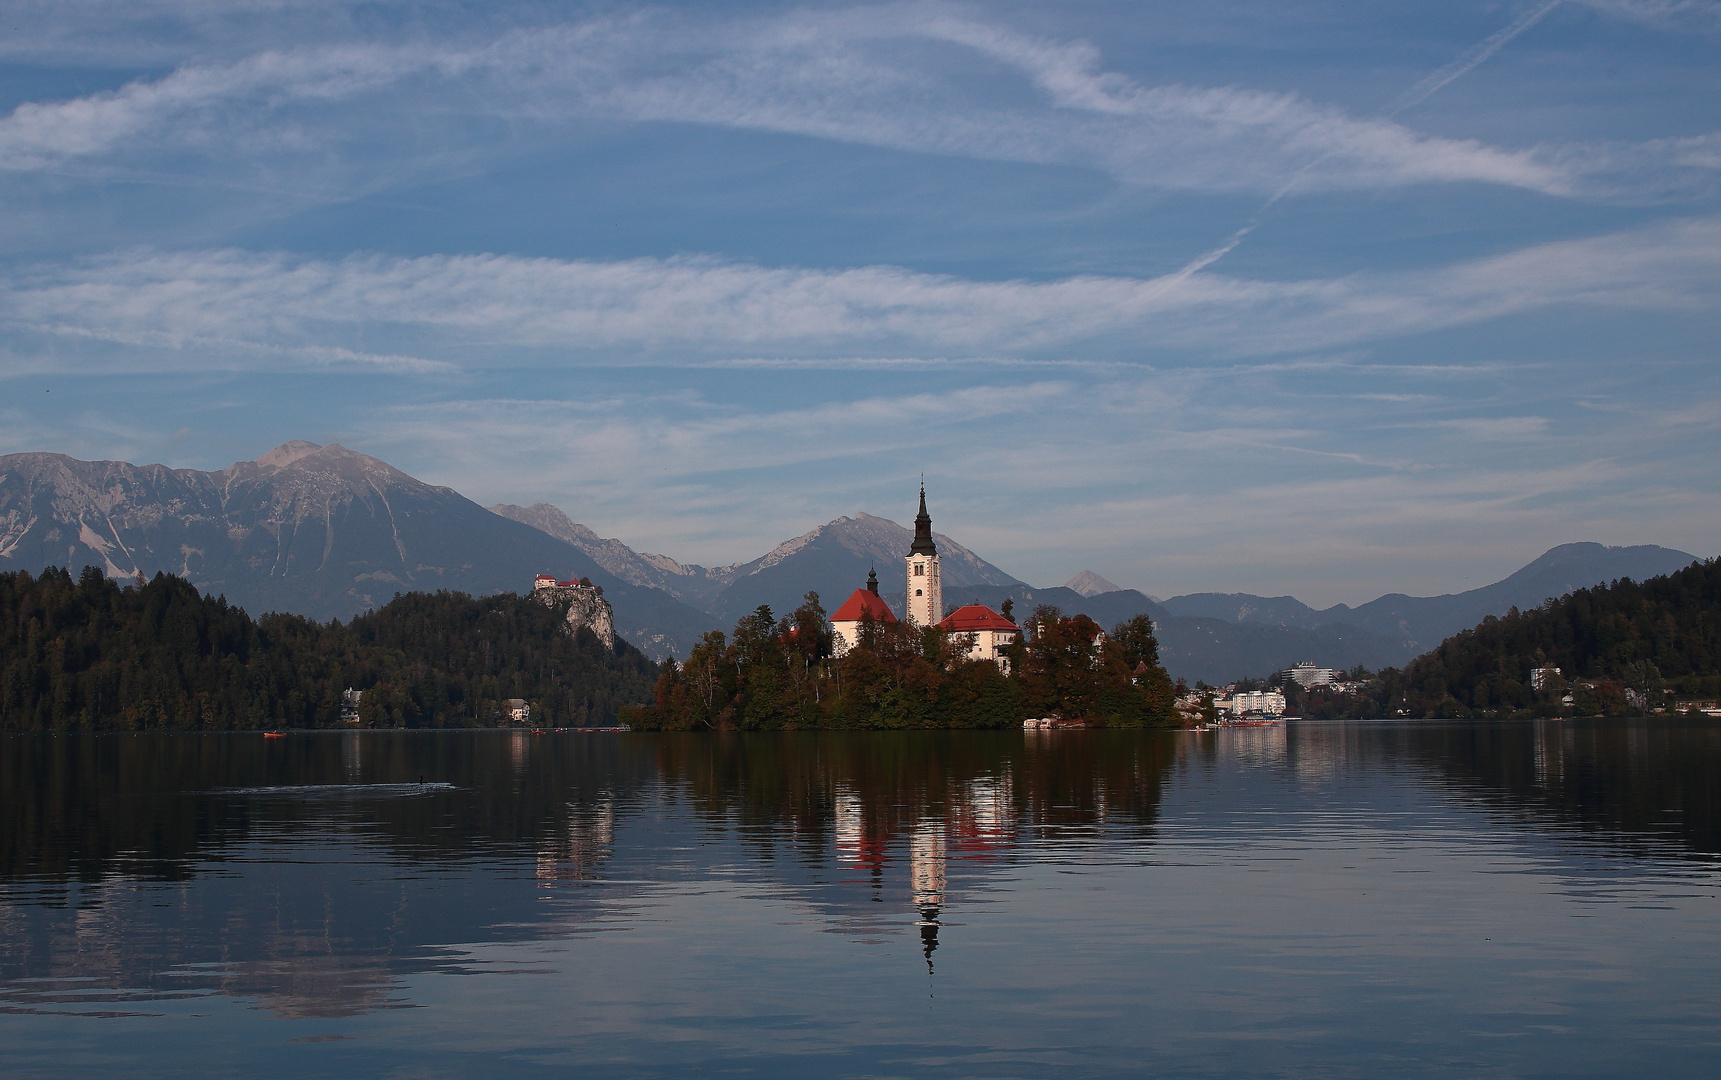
(1422, 621)
(318, 531)
(93, 655)
(1652, 638)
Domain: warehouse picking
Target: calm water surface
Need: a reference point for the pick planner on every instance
(1414, 899)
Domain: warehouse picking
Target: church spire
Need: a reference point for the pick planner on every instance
(923, 544)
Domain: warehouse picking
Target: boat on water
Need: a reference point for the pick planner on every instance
(274, 734)
(1242, 722)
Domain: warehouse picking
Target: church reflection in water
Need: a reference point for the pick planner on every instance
(926, 879)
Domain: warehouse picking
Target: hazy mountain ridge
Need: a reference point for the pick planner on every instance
(1425, 621)
(1216, 637)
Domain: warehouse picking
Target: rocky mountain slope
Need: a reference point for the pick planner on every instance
(317, 530)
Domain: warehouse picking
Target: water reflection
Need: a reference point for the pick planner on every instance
(926, 881)
(315, 876)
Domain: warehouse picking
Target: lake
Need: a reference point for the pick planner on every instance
(1322, 900)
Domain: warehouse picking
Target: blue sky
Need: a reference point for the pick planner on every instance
(1318, 298)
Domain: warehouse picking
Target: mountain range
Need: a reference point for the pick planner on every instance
(328, 533)
(316, 530)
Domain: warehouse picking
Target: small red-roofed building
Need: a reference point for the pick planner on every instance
(846, 620)
(990, 634)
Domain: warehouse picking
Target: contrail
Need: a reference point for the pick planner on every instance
(1416, 95)
(1467, 63)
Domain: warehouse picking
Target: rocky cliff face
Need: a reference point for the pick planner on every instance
(316, 530)
(587, 609)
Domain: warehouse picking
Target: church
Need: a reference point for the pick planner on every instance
(990, 633)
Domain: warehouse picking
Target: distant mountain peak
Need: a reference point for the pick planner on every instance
(1089, 583)
(287, 453)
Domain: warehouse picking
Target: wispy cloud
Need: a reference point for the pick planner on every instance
(878, 76)
(238, 309)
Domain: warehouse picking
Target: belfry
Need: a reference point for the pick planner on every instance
(925, 587)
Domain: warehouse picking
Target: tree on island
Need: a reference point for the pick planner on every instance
(781, 674)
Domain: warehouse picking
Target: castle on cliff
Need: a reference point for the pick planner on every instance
(586, 605)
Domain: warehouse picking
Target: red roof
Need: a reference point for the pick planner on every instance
(861, 601)
(971, 618)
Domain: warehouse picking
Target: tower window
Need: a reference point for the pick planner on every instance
(917, 592)
(919, 570)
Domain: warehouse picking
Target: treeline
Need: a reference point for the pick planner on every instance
(92, 654)
(1622, 649)
(779, 674)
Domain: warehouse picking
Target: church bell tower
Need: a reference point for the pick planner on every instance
(925, 587)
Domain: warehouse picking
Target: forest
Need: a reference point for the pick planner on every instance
(781, 674)
(1623, 649)
(93, 654)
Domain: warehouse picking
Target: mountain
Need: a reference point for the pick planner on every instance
(1089, 583)
(327, 532)
(320, 531)
(1427, 621)
(1422, 622)
(833, 560)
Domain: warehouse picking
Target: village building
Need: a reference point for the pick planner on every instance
(990, 634)
(846, 620)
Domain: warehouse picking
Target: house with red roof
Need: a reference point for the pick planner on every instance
(846, 620)
(989, 634)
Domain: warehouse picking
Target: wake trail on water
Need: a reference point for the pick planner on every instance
(339, 791)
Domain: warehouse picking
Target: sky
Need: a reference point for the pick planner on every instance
(1302, 297)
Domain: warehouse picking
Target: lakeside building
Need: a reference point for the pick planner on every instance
(350, 699)
(1252, 702)
(1307, 674)
(1542, 676)
(846, 620)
